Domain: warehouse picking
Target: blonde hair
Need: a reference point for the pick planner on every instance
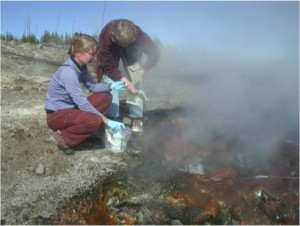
(81, 43)
(123, 32)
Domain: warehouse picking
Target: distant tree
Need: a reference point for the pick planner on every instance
(46, 37)
(95, 35)
(67, 39)
(29, 39)
(62, 41)
(56, 38)
(53, 38)
(8, 37)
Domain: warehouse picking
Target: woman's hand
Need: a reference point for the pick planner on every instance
(115, 125)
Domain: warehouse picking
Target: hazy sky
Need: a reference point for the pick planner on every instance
(265, 29)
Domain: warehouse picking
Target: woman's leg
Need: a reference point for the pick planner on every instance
(76, 125)
(101, 101)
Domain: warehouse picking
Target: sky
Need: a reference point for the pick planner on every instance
(270, 27)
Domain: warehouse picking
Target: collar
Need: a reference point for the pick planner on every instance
(81, 68)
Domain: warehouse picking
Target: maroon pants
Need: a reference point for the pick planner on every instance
(77, 125)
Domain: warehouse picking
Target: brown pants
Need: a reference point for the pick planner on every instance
(77, 125)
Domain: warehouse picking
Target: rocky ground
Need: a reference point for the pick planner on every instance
(37, 180)
(40, 185)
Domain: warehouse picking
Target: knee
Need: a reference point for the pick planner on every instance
(103, 97)
(95, 123)
(108, 97)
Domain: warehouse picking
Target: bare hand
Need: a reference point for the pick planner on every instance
(130, 86)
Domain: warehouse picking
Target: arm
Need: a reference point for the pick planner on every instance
(143, 44)
(91, 85)
(108, 56)
(107, 62)
(73, 88)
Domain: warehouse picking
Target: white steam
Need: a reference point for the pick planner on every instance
(255, 102)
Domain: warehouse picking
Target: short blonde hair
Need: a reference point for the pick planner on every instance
(123, 32)
(81, 43)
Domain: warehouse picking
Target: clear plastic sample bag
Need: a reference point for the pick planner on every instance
(117, 141)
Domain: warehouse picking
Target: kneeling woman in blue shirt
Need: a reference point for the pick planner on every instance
(71, 114)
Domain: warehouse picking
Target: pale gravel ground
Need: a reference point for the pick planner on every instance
(26, 142)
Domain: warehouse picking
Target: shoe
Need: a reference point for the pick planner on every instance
(62, 145)
(137, 126)
(66, 151)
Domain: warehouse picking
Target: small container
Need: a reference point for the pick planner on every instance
(117, 142)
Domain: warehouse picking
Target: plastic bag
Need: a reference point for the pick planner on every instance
(117, 141)
(141, 94)
(136, 99)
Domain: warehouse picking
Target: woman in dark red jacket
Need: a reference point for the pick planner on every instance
(123, 40)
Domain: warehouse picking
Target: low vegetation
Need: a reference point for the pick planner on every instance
(47, 37)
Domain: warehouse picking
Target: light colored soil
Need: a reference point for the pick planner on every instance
(36, 178)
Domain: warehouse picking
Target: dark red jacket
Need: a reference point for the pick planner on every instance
(109, 54)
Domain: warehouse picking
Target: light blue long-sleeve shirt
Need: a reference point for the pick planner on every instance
(65, 91)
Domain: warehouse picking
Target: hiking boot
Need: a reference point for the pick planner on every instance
(137, 126)
(66, 151)
(62, 145)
